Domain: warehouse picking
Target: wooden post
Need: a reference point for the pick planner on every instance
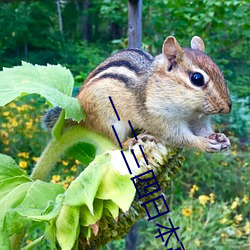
(134, 23)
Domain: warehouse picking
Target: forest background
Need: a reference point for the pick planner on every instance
(210, 197)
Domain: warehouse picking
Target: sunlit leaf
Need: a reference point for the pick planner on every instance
(53, 82)
(67, 225)
(83, 152)
(83, 189)
(86, 218)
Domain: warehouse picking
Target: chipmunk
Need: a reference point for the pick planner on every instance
(170, 96)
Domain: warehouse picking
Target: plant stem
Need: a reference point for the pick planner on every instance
(16, 240)
(57, 147)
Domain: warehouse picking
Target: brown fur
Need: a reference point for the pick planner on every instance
(156, 95)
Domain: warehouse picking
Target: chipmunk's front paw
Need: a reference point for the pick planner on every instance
(140, 140)
(217, 142)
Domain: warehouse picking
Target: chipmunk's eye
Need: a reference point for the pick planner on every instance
(197, 79)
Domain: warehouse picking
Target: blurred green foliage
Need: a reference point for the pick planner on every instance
(30, 32)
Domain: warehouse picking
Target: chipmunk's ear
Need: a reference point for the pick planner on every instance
(171, 49)
(197, 43)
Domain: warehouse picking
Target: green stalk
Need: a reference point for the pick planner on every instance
(57, 146)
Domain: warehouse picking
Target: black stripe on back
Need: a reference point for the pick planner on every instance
(142, 53)
(118, 77)
(118, 63)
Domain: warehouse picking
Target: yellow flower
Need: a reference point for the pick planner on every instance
(65, 185)
(70, 178)
(238, 218)
(14, 123)
(29, 124)
(23, 164)
(223, 220)
(211, 195)
(224, 164)
(55, 178)
(6, 113)
(77, 162)
(247, 228)
(73, 168)
(12, 105)
(23, 107)
(203, 199)
(24, 154)
(6, 141)
(245, 199)
(6, 149)
(234, 152)
(235, 203)
(238, 233)
(187, 211)
(35, 159)
(192, 190)
(197, 242)
(4, 134)
(65, 163)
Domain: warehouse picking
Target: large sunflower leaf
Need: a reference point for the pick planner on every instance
(53, 82)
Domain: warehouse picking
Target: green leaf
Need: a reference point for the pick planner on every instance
(13, 223)
(46, 216)
(9, 168)
(86, 231)
(67, 226)
(4, 240)
(118, 188)
(86, 218)
(83, 152)
(83, 189)
(14, 198)
(20, 197)
(50, 234)
(26, 202)
(34, 243)
(58, 127)
(39, 194)
(112, 208)
(11, 183)
(53, 82)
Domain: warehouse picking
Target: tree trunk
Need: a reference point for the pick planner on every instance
(85, 20)
(135, 23)
(59, 16)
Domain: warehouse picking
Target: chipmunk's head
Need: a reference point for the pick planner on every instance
(198, 77)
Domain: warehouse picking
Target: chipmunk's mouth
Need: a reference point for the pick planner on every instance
(224, 108)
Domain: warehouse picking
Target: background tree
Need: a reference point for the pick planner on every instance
(135, 23)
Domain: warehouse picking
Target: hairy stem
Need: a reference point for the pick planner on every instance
(57, 147)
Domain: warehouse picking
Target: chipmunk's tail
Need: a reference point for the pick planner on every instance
(50, 117)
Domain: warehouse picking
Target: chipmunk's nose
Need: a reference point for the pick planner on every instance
(227, 108)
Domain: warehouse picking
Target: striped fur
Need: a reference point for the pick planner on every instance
(157, 95)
